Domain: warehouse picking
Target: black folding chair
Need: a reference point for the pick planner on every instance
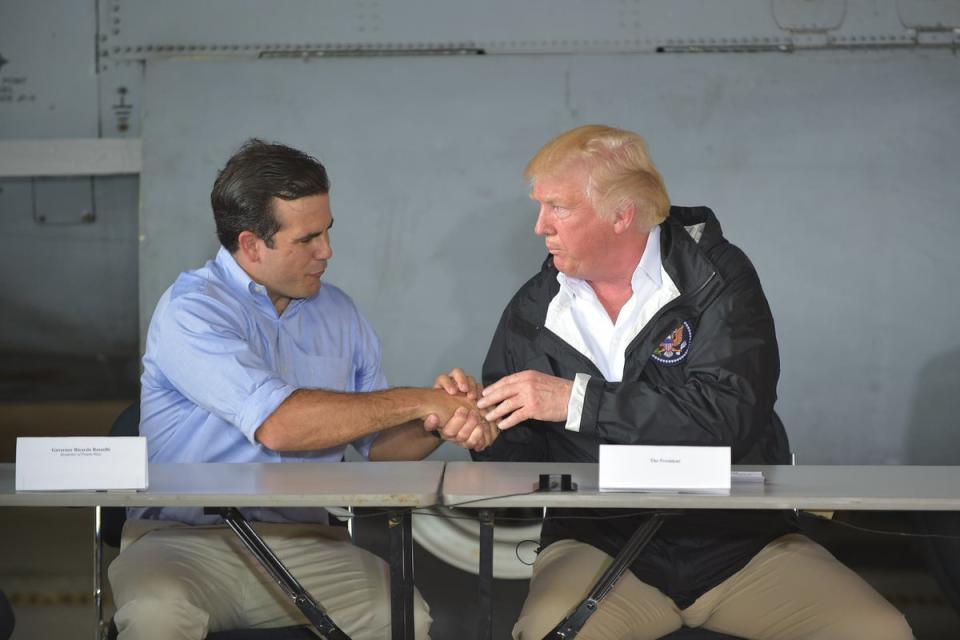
(7, 620)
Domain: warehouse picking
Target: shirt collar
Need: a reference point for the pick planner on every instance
(650, 264)
(240, 280)
(234, 274)
(649, 267)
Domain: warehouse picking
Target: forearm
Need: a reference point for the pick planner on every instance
(408, 441)
(705, 411)
(316, 419)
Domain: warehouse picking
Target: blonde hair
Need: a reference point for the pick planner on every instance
(621, 171)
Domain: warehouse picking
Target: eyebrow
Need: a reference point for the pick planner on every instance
(311, 236)
(550, 197)
(552, 200)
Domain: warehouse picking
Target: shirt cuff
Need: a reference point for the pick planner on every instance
(575, 405)
(260, 404)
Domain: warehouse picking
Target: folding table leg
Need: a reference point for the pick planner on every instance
(401, 575)
(281, 575)
(485, 597)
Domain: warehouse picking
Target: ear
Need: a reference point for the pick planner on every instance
(248, 244)
(624, 218)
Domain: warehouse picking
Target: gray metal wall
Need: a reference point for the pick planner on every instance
(823, 134)
(832, 170)
(68, 268)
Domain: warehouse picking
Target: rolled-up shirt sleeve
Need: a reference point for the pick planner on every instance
(207, 358)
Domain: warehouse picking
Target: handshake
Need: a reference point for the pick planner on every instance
(455, 416)
(473, 416)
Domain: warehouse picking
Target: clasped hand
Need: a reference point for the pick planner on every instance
(460, 421)
(527, 395)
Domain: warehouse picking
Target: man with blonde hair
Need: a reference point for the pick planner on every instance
(646, 326)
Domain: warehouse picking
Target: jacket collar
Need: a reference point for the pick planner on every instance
(686, 237)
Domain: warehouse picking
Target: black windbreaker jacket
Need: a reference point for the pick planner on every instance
(721, 392)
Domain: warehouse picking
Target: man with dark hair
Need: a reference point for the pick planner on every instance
(242, 196)
(646, 326)
(250, 359)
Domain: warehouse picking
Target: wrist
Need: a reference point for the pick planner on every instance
(415, 403)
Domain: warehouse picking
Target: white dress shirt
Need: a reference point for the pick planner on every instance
(576, 315)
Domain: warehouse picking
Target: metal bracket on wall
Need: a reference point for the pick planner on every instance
(929, 15)
(809, 15)
(936, 37)
(809, 22)
(62, 201)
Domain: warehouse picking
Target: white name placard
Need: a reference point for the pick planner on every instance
(82, 464)
(627, 467)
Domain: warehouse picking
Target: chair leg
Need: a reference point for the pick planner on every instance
(279, 572)
(569, 627)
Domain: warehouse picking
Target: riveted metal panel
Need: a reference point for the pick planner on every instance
(140, 29)
(68, 270)
(143, 29)
(68, 285)
(121, 98)
(48, 85)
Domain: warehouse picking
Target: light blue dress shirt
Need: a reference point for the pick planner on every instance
(219, 361)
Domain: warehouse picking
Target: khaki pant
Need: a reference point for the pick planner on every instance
(173, 582)
(792, 589)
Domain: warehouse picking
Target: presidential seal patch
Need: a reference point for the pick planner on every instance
(674, 348)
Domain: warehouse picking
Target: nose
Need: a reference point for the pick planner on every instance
(323, 249)
(541, 228)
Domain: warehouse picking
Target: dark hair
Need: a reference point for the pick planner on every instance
(242, 196)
